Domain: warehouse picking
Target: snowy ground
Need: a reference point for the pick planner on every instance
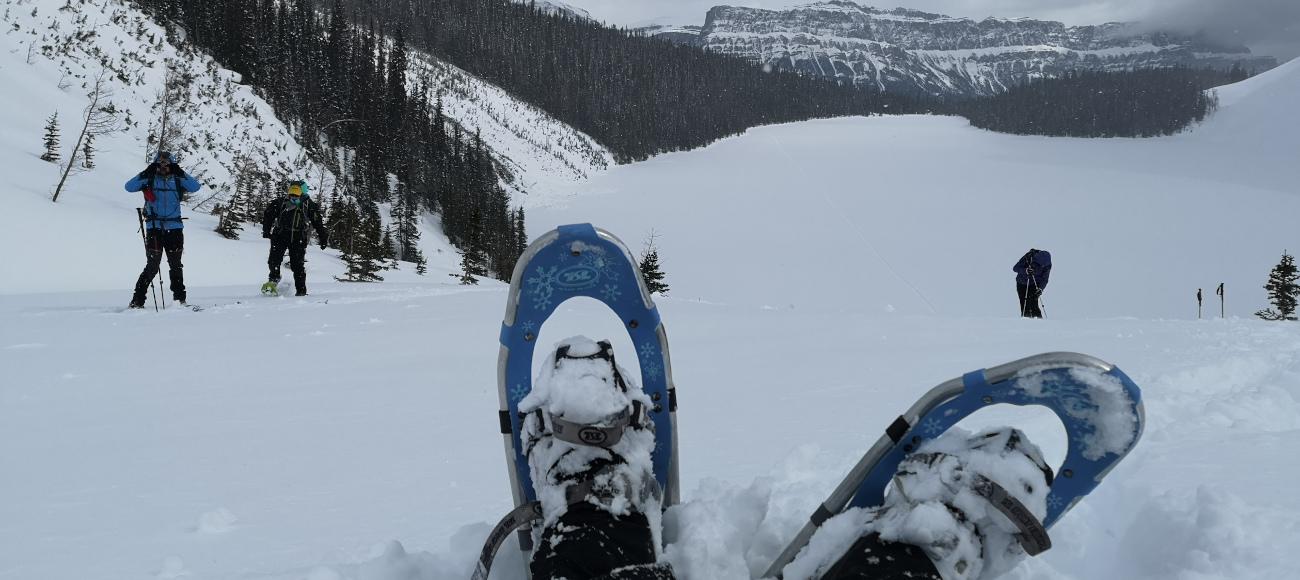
(353, 434)
(290, 439)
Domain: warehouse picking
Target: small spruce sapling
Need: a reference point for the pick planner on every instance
(51, 142)
(650, 269)
(1283, 291)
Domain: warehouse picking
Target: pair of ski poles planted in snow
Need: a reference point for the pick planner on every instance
(1219, 292)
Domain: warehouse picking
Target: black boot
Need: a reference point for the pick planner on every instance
(137, 298)
(587, 477)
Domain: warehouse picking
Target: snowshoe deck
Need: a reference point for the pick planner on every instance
(1100, 407)
(569, 262)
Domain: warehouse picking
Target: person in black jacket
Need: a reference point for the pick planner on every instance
(285, 224)
(1032, 272)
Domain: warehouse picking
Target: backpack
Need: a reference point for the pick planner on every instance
(293, 218)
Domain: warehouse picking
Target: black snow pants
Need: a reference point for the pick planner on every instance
(157, 242)
(589, 543)
(297, 260)
(1029, 296)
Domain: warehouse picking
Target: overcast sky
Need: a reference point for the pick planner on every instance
(1267, 26)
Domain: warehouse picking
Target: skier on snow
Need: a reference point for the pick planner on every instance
(285, 224)
(1032, 272)
(163, 183)
(588, 440)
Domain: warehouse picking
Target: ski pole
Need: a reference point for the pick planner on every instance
(158, 245)
(139, 213)
(1198, 303)
(1221, 299)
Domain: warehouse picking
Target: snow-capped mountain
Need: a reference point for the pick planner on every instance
(689, 35)
(556, 7)
(910, 51)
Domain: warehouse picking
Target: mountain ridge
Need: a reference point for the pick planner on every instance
(914, 52)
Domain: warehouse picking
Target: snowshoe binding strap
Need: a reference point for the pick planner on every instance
(517, 518)
(604, 434)
(606, 353)
(589, 490)
(1033, 536)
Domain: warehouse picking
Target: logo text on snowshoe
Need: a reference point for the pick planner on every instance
(577, 277)
(592, 435)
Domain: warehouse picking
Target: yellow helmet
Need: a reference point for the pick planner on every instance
(297, 188)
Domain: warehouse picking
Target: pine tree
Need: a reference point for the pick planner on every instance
(88, 152)
(339, 222)
(473, 265)
(1283, 291)
(650, 271)
(360, 268)
(51, 139)
(361, 244)
(387, 251)
(228, 221)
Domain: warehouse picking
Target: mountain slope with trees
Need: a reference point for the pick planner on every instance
(638, 96)
(347, 92)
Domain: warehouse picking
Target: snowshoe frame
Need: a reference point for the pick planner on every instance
(569, 262)
(950, 402)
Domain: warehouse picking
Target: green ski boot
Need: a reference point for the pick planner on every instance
(270, 289)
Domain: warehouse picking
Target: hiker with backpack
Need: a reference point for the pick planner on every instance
(164, 184)
(1032, 272)
(285, 224)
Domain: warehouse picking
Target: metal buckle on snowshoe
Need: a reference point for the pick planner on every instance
(606, 435)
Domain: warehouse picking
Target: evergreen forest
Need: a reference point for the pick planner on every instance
(1140, 103)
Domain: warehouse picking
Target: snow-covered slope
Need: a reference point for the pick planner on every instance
(534, 148)
(926, 215)
(52, 53)
(354, 435)
(51, 57)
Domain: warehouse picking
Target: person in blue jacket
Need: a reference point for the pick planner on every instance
(164, 184)
(1032, 272)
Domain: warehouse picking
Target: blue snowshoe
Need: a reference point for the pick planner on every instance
(1100, 407)
(569, 262)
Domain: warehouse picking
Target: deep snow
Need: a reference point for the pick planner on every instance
(824, 275)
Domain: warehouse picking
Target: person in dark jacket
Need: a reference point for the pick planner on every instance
(285, 224)
(164, 184)
(1032, 273)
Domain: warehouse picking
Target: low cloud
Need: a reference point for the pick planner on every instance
(1267, 26)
